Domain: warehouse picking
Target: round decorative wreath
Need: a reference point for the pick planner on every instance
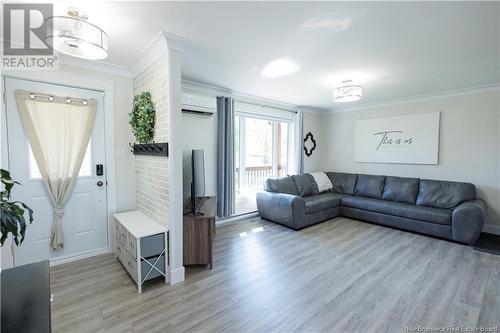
(142, 117)
(309, 138)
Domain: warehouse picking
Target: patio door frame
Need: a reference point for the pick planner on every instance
(242, 145)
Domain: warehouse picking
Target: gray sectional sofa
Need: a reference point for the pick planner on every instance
(443, 209)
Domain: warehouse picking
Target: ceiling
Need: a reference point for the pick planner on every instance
(394, 50)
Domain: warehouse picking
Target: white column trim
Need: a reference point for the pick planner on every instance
(110, 169)
(176, 267)
(151, 53)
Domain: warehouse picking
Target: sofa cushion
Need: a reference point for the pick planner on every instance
(305, 185)
(369, 186)
(401, 189)
(427, 214)
(281, 185)
(343, 183)
(320, 202)
(443, 194)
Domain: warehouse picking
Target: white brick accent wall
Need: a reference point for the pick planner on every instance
(151, 172)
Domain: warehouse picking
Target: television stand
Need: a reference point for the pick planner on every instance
(199, 232)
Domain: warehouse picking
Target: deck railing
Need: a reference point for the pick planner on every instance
(254, 177)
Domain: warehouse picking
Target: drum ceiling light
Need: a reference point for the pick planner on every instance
(347, 92)
(75, 36)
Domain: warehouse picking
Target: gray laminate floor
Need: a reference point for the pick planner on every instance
(341, 275)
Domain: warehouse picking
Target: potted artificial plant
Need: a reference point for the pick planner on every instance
(142, 117)
(12, 212)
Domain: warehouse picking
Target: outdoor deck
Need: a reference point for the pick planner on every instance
(245, 202)
(248, 184)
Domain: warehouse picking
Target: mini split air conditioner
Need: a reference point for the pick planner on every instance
(198, 104)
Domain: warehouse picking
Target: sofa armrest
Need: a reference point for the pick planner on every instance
(283, 208)
(467, 221)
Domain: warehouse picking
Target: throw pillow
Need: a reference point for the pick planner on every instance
(322, 181)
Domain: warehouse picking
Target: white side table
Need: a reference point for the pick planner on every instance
(141, 245)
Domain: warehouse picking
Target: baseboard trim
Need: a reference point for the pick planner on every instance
(176, 275)
(80, 256)
(236, 218)
(491, 229)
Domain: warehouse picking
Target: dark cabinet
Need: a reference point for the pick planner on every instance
(199, 232)
(26, 298)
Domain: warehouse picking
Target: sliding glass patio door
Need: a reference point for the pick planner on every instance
(262, 150)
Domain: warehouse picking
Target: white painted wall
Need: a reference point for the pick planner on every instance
(5, 251)
(469, 143)
(124, 159)
(313, 123)
(199, 132)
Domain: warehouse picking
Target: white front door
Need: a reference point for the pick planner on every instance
(84, 221)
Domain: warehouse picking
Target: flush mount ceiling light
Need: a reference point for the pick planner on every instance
(74, 36)
(347, 92)
(280, 67)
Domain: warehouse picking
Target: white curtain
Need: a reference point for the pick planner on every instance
(58, 131)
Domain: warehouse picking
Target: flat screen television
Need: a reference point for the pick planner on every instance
(198, 180)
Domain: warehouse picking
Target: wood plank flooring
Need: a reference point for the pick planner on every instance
(338, 276)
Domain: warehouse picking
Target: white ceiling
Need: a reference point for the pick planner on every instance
(393, 49)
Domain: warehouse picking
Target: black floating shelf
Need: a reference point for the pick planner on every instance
(151, 149)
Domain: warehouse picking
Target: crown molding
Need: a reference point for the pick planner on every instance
(95, 65)
(424, 97)
(176, 42)
(313, 110)
(161, 43)
(205, 89)
(211, 90)
(152, 52)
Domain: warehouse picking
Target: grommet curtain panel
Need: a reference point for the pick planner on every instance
(225, 156)
(58, 131)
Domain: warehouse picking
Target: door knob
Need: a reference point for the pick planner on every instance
(100, 183)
